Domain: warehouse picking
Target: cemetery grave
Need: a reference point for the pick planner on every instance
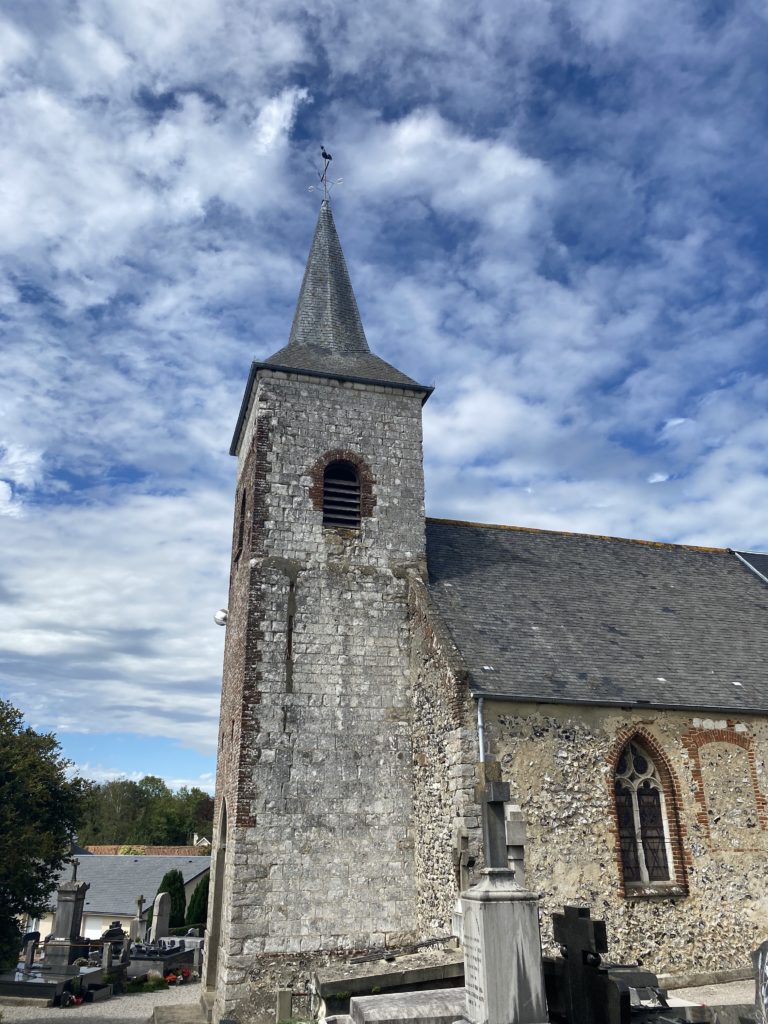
(74, 969)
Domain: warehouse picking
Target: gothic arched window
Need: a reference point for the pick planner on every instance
(644, 832)
(341, 495)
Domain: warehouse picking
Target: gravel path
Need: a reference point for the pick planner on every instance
(112, 1011)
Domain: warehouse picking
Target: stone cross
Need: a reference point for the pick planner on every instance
(491, 793)
(462, 862)
(134, 929)
(516, 840)
(581, 941)
(75, 866)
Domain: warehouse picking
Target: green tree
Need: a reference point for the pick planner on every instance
(197, 911)
(39, 811)
(196, 812)
(128, 813)
(173, 883)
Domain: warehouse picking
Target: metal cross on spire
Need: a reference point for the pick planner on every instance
(323, 176)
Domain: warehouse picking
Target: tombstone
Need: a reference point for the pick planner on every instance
(760, 960)
(115, 936)
(581, 942)
(581, 990)
(106, 956)
(502, 944)
(136, 925)
(64, 945)
(29, 954)
(161, 916)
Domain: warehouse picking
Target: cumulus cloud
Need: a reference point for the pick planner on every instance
(553, 213)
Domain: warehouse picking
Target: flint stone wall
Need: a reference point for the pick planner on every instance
(444, 756)
(558, 762)
(315, 757)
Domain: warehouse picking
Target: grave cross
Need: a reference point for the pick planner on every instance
(75, 865)
(140, 905)
(581, 942)
(492, 796)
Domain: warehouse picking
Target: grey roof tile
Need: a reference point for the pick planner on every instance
(572, 618)
(116, 881)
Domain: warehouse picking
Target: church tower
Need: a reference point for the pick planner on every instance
(313, 844)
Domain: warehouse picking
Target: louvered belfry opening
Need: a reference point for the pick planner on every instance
(341, 495)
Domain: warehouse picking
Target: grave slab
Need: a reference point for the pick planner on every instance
(434, 1006)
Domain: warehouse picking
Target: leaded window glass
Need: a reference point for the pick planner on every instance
(641, 813)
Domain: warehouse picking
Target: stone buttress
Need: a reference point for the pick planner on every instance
(313, 847)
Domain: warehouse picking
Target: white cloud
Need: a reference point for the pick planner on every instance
(553, 215)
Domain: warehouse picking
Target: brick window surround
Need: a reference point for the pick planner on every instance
(317, 476)
(696, 738)
(677, 885)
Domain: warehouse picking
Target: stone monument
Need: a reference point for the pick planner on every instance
(64, 947)
(136, 927)
(161, 916)
(760, 958)
(502, 944)
(581, 940)
(517, 837)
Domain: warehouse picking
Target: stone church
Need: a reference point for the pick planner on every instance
(374, 657)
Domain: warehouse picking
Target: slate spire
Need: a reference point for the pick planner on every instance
(327, 335)
(326, 314)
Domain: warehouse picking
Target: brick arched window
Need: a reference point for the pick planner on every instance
(650, 848)
(341, 495)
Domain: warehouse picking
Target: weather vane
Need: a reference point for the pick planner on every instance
(323, 176)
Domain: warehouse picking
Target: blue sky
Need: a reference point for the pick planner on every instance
(554, 211)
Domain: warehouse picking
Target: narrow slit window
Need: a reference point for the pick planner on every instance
(240, 526)
(341, 495)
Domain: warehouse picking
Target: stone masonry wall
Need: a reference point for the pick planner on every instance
(444, 755)
(559, 762)
(315, 760)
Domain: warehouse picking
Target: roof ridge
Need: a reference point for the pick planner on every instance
(574, 533)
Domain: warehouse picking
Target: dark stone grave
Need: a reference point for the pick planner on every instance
(57, 974)
(581, 989)
(163, 956)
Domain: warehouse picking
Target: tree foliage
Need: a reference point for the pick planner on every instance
(197, 911)
(144, 812)
(173, 883)
(39, 811)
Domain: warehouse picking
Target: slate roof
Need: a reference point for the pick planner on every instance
(570, 618)
(756, 561)
(118, 881)
(327, 338)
